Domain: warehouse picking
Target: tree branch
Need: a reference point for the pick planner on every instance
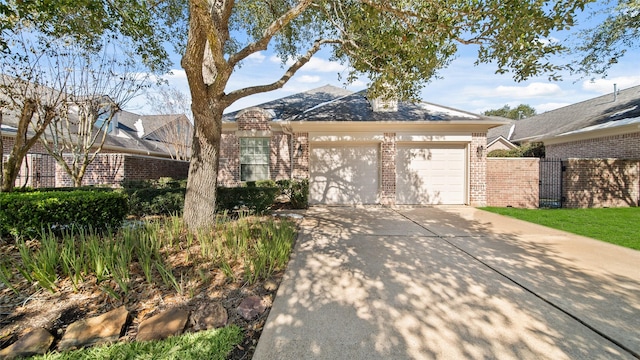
(238, 94)
(269, 33)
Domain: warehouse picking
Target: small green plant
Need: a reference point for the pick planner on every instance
(6, 274)
(211, 345)
(260, 245)
(73, 257)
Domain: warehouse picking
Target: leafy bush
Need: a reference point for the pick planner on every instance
(526, 150)
(155, 197)
(30, 213)
(297, 191)
(257, 200)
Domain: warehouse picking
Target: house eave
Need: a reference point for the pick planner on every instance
(131, 151)
(368, 126)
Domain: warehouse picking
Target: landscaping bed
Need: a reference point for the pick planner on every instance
(149, 267)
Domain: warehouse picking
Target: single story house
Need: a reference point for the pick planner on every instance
(607, 126)
(357, 150)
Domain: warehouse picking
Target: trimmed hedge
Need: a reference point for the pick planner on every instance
(29, 213)
(257, 197)
(155, 197)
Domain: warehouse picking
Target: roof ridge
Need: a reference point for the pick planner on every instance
(590, 99)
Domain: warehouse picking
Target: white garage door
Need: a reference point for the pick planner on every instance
(430, 174)
(343, 175)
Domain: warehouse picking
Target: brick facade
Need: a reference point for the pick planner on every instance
(513, 182)
(478, 170)
(625, 146)
(280, 159)
(229, 160)
(388, 152)
(601, 183)
(300, 169)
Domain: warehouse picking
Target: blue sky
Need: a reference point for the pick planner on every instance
(462, 85)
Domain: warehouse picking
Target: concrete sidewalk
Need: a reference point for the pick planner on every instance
(451, 282)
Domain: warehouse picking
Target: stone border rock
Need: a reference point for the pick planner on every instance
(109, 327)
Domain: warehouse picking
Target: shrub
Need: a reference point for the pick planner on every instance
(526, 150)
(30, 213)
(257, 200)
(155, 197)
(297, 191)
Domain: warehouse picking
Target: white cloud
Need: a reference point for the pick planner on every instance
(536, 89)
(605, 86)
(257, 57)
(322, 65)
(308, 79)
(316, 64)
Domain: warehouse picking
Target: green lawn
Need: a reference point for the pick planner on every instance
(210, 344)
(619, 226)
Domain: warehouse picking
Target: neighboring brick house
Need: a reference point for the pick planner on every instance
(356, 150)
(607, 126)
(136, 147)
(598, 141)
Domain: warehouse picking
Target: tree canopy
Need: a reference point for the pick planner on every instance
(519, 112)
(149, 26)
(601, 46)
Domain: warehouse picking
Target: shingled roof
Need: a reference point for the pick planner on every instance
(294, 105)
(608, 110)
(329, 103)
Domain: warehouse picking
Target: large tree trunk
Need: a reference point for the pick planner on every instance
(200, 200)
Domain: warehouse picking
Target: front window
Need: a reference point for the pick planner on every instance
(254, 159)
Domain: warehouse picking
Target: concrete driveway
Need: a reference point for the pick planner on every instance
(451, 283)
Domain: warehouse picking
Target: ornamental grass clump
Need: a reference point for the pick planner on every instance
(162, 252)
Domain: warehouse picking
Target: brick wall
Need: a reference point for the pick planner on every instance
(300, 168)
(601, 183)
(513, 182)
(478, 170)
(105, 169)
(146, 167)
(41, 170)
(253, 119)
(388, 152)
(280, 159)
(229, 165)
(625, 146)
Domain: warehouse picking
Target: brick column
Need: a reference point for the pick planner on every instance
(478, 170)
(300, 156)
(388, 169)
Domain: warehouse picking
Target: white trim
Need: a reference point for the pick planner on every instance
(432, 137)
(346, 137)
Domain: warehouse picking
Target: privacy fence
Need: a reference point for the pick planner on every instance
(572, 183)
